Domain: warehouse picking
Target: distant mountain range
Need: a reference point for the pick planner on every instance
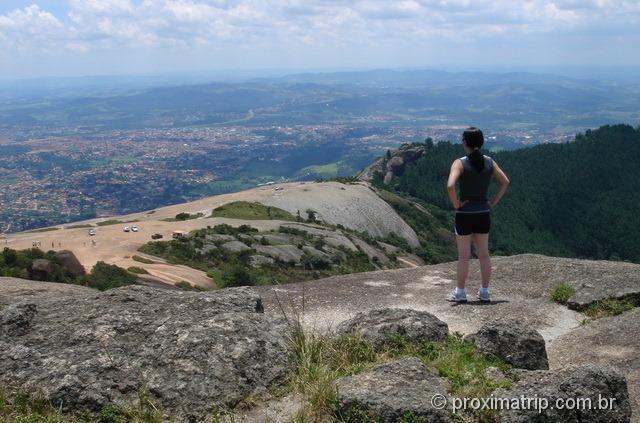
(421, 97)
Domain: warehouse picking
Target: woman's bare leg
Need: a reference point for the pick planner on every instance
(481, 242)
(464, 251)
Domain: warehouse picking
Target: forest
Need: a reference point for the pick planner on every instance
(575, 199)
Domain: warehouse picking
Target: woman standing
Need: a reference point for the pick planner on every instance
(473, 210)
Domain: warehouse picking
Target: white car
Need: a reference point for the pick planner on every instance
(92, 232)
(134, 229)
(126, 229)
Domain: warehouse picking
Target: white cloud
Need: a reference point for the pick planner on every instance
(118, 25)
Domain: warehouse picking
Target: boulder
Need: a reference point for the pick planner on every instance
(514, 342)
(190, 351)
(71, 262)
(41, 270)
(590, 389)
(235, 246)
(396, 165)
(379, 324)
(401, 389)
(287, 253)
(258, 260)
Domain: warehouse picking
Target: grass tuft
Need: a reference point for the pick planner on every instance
(562, 293)
(17, 406)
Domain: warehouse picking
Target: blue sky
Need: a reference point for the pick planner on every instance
(88, 37)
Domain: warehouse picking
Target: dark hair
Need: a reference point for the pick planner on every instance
(473, 137)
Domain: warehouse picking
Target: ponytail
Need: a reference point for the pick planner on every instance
(476, 158)
(474, 138)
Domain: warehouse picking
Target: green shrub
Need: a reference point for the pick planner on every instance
(237, 275)
(105, 276)
(137, 270)
(562, 293)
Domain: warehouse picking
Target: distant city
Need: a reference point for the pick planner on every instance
(66, 157)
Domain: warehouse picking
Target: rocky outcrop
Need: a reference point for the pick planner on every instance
(394, 164)
(71, 262)
(392, 391)
(287, 253)
(235, 246)
(41, 270)
(14, 290)
(602, 393)
(519, 345)
(380, 324)
(590, 291)
(189, 351)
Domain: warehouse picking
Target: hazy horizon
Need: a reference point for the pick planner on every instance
(45, 38)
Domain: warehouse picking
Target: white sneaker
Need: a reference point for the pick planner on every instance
(484, 296)
(460, 297)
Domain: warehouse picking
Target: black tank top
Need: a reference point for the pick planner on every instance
(474, 185)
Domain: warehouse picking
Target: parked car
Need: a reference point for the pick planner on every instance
(156, 236)
(126, 229)
(134, 229)
(92, 232)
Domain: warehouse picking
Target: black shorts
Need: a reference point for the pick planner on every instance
(473, 223)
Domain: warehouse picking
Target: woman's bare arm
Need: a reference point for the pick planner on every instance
(504, 184)
(454, 174)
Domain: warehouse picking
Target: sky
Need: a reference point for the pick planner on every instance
(40, 38)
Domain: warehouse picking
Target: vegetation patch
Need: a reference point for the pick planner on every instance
(19, 264)
(137, 270)
(321, 359)
(114, 222)
(561, 293)
(53, 228)
(251, 211)
(105, 276)
(144, 260)
(608, 307)
(81, 226)
(430, 223)
(181, 217)
(18, 406)
(202, 250)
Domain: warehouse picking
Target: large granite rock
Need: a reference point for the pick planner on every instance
(584, 394)
(392, 391)
(514, 342)
(189, 351)
(71, 262)
(235, 246)
(379, 324)
(257, 260)
(611, 341)
(287, 253)
(41, 270)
